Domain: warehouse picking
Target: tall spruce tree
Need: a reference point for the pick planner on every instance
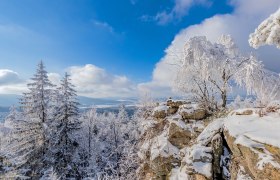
(64, 141)
(29, 143)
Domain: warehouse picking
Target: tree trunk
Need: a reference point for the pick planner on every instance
(224, 99)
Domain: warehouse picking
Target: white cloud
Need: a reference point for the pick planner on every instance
(93, 81)
(245, 18)
(10, 82)
(90, 81)
(104, 25)
(55, 78)
(179, 10)
(8, 77)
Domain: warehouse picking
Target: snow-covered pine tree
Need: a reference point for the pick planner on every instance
(28, 148)
(64, 140)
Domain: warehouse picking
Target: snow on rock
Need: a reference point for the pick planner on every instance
(199, 160)
(161, 108)
(162, 147)
(242, 174)
(159, 146)
(255, 143)
(160, 112)
(261, 129)
(268, 32)
(192, 111)
(191, 126)
(146, 124)
(177, 174)
(273, 106)
(210, 131)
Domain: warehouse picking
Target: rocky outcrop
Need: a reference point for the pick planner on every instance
(251, 159)
(253, 141)
(190, 111)
(178, 136)
(160, 150)
(160, 112)
(184, 144)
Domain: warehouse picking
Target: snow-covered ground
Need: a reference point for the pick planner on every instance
(260, 129)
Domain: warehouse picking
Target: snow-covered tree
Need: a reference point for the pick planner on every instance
(50, 174)
(268, 32)
(27, 149)
(89, 148)
(207, 69)
(258, 81)
(64, 139)
(109, 145)
(37, 102)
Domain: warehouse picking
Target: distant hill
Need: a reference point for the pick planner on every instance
(86, 101)
(7, 100)
(103, 105)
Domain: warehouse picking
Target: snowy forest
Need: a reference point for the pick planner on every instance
(201, 135)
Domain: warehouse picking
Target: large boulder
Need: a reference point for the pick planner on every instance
(260, 162)
(160, 112)
(198, 162)
(178, 135)
(190, 111)
(244, 112)
(173, 106)
(254, 143)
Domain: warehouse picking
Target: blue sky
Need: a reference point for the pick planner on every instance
(117, 48)
(110, 34)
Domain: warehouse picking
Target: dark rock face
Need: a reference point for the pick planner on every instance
(217, 147)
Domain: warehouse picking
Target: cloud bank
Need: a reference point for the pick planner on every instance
(90, 81)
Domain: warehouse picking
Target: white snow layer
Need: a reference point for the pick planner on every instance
(253, 131)
(159, 147)
(261, 129)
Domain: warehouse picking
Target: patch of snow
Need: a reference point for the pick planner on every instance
(178, 174)
(242, 175)
(261, 129)
(146, 124)
(188, 108)
(203, 168)
(162, 147)
(253, 132)
(199, 159)
(143, 149)
(199, 152)
(266, 158)
(210, 131)
(161, 108)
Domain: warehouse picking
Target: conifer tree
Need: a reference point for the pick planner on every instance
(64, 142)
(29, 143)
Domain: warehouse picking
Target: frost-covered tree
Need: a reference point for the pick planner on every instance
(108, 145)
(27, 150)
(268, 32)
(64, 139)
(258, 81)
(50, 174)
(207, 69)
(89, 148)
(37, 102)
